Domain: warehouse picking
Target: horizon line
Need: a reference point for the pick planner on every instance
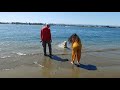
(58, 23)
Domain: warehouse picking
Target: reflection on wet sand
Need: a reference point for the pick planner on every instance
(75, 72)
(58, 69)
(46, 71)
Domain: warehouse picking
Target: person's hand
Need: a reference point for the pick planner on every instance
(51, 41)
(40, 40)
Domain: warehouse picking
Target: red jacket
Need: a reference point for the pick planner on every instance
(45, 34)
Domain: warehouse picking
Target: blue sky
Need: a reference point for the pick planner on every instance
(92, 18)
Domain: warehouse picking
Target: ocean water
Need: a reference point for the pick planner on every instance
(19, 40)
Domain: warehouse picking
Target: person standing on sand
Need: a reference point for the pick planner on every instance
(76, 47)
(46, 39)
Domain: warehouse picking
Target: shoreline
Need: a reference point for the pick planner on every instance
(39, 66)
(77, 25)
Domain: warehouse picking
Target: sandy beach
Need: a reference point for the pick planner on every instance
(39, 66)
(21, 47)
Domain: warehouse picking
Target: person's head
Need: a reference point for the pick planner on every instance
(74, 38)
(48, 25)
(77, 39)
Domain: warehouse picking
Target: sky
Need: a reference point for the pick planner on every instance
(89, 18)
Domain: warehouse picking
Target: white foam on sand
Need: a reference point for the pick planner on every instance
(5, 56)
(6, 69)
(38, 64)
(19, 53)
(61, 45)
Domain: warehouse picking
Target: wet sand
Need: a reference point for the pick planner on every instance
(39, 66)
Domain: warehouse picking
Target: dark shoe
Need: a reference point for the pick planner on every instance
(50, 56)
(45, 54)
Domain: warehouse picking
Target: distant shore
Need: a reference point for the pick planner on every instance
(79, 25)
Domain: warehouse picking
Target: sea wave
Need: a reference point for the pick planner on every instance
(61, 45)
(6, 69)
(103, 50)
(5, 56)
(21, 54)
(59, 51)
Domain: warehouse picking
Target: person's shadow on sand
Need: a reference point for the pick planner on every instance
(88, 67)
(54, 57)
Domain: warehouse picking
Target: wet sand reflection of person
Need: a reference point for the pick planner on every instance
(47, 70)
(75, 72)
